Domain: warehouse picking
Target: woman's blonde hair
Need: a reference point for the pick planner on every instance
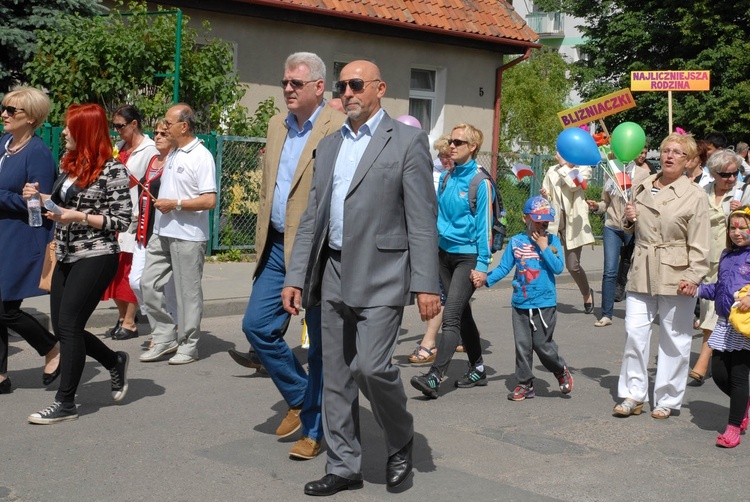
(473, 135)
(34, 102)
(686, 142)
(441, 144)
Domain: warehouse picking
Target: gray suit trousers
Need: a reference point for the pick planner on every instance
(358, 345)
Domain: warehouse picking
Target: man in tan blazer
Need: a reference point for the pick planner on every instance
(287, 172)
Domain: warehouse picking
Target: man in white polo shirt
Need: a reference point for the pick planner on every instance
(178, 245)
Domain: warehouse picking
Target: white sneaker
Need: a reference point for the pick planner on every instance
(182, 359)
(157, 351)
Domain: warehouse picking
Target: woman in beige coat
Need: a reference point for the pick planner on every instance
(669, 215)
(571, 223)
(724, 167)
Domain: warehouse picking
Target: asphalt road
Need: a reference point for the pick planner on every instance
(204, 431)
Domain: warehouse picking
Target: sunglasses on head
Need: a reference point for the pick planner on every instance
(457, 142)
(355, 84)
(295, 83)
(728, 175)
(11, 110)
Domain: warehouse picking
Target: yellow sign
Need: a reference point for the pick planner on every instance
(597, 109)
(696, 80)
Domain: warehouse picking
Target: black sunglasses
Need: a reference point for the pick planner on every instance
(11, 110)
(729, 174)
(117, 127)
(457, 142)
(355, 84)
(296, 83)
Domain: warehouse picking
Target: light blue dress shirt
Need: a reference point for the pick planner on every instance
(295, 142)
(351, 151)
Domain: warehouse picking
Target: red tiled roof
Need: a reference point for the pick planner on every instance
(493, 21)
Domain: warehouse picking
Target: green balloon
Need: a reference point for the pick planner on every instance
(628, 139)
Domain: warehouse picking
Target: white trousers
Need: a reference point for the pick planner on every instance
(675, 338)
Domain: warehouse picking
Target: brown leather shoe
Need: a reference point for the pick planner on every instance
(306, 448)
(290, 424)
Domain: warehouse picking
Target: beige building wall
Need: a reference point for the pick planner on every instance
(462, 74)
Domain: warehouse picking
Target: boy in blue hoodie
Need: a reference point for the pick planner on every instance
(536, 256)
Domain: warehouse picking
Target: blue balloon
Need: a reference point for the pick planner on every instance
(578, 147)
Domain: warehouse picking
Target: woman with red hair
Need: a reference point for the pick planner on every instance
(94, 204)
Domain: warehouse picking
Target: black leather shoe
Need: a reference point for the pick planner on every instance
(48, 378)
(125, 334)
(330, 484)
(399, 465)
(588, 307)
(5, 387)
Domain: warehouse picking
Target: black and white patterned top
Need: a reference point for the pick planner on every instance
(107, 196)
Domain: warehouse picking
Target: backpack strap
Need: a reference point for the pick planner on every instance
(481, 175)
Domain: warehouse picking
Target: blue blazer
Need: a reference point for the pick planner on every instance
(21, 246)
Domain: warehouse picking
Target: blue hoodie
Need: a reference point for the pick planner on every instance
(460, 231)
(534, 280)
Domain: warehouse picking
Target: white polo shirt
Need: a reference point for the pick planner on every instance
(190, 171)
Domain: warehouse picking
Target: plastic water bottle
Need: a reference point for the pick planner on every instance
(34, 205)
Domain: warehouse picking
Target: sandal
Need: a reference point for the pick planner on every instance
(661, 412)
(604, 321)
(697, 377)
(629, 407)
(416, 357)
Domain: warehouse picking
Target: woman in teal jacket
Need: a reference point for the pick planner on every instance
(465, 238)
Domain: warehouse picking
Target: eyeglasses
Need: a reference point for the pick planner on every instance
(355, 84)
(727, 175)
(117, 127)
(295, 83)
(444, 156)
(676, 153)
(160, 133)
(169, 124)
(457, 142)
(11, 110)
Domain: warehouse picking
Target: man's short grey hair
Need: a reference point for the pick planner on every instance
(741, 147)
(719, 161)
(316, 65)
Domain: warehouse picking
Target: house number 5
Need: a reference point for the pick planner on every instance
(481, 91)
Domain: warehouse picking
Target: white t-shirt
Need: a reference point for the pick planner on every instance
(190, 171)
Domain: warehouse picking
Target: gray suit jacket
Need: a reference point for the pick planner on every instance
(389, 250)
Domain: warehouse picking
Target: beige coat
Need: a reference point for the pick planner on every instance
(672, 233)
(569, 200)
(327, 122)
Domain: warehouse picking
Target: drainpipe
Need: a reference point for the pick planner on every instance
(498, 91)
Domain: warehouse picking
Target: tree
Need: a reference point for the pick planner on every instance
(628, 35)
(19, 20)
(114, 59)
(533, 92)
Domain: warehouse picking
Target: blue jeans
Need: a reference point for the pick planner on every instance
(614, 241)
(265, 324)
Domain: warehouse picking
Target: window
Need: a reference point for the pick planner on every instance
(422, 97)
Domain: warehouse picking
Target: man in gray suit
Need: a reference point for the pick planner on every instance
(366, 246)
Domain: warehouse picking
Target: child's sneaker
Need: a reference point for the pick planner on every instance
(522, 392)
(565, 380)
(472, 378)
(428, 384)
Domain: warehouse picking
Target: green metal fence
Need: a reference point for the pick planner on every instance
(238, 179)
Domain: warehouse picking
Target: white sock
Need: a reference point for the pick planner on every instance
(480, 367)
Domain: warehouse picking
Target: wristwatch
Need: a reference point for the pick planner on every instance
(178, 207)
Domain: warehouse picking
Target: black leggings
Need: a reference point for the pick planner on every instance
(12, 317)
(77, 288)
(730, 371)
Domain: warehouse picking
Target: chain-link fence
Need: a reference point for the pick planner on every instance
(239, 172)
(515, 192)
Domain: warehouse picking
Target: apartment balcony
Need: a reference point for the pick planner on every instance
(546, 24)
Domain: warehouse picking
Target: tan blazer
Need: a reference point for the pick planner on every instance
(672, 235)
(569, 199)
(328, 121)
